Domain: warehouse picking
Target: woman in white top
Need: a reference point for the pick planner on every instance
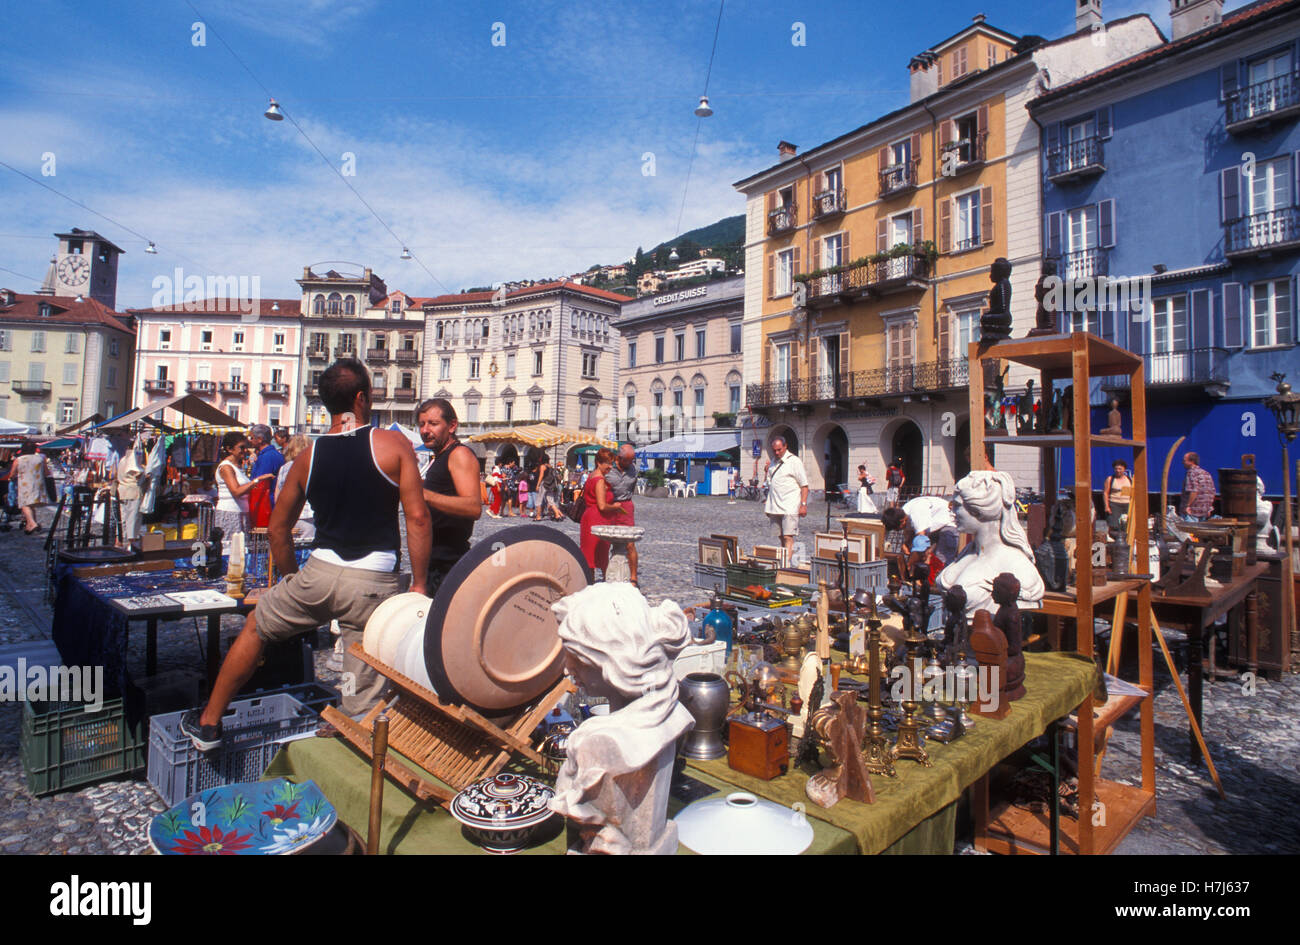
(233, 485)
(297, 445)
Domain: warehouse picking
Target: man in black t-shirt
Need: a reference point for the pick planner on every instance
(451, 488)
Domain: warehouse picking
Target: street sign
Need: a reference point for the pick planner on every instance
(758, 448)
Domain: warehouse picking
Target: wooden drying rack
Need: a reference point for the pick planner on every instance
(454, 743)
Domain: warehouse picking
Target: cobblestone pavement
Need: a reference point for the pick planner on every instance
(1253, 738)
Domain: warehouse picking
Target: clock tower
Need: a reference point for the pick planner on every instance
(85, 265)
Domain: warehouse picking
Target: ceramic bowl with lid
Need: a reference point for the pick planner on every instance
(503, 811)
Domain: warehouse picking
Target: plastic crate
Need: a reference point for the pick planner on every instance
(870, 576)
(710, 576)
(64, 745)
(314, 695)
(743, 575)
(253, 730)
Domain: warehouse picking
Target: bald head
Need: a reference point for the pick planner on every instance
(626, 456)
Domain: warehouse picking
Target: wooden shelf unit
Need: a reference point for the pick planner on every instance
(1077, 358)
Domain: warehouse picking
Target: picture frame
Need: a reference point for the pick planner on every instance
(826, 545)
(874, 532)
(769, 553)
(713, 551)
(733, 547)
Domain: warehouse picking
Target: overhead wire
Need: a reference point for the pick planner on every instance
(690, 165)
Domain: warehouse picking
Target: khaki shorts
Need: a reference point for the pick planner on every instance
(319, 593)
(789, 524)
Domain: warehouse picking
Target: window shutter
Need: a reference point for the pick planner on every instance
(814, 355)
(1228, 81)
(947, 131)
(794, 363)
(794, 266)
(771, 202)
(1288, 317)
(1108, 325)
(1295, 190)
(1233, 329)
(845, 256)
(1054, 233)
(1137, 329)
(767, 363)
(771, 275)
(1103, 122)
(882, 159)
(844, 354)
(882, 235)
(1052, 135)
(1106, 222)
(1200, 334)
(986, 214)
(916, 147)
(945, 226)
(945, 336)
(1230, 206)
(939, 66)
(918, 226)
(982, 120)
(816, 261)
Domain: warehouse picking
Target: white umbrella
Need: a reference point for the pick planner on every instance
(12, 428)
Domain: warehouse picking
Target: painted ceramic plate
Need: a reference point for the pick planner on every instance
(256, 818)
(491, 640)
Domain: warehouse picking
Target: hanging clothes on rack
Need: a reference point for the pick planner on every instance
(154, 469)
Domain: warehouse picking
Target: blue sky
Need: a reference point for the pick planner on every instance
(492, 162)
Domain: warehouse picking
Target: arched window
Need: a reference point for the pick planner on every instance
(350, 305)
(318, 307)
(334, 305)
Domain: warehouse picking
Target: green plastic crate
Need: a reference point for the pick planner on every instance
(65, 746)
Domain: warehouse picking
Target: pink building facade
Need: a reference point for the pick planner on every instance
(246, 365)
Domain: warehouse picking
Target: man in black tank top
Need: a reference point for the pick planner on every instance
(356, 477)
(451, 488)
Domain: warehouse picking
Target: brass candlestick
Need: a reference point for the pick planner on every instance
(910, 743)
(876, 751)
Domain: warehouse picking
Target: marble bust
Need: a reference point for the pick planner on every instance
(985, 509)
(615, 781)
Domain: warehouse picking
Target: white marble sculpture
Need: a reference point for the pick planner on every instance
(986, 510)
(1267, 537)
(615, 781)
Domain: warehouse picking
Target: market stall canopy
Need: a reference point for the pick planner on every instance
(10, 428)
(93, 419)
(542, 436)
(186, 404)
(707, 444)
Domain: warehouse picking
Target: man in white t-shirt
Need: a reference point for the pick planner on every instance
(929, 529)
(787, 492)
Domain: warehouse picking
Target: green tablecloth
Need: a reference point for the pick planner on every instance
(914, 813)
(1055, 684)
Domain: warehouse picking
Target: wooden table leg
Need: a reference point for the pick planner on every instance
(151, 647)
(1195, 637)
(979, 809)
(1252, 631)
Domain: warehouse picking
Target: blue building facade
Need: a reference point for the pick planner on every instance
(1180, 168)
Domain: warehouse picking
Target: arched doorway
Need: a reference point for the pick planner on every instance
(906, 443)
(833, 456)
(787, 434)
(961, 449)
(507, 454)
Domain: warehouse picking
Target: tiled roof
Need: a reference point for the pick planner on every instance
(64, 311)
(470, 297)
(289, 308)
(1233, 21)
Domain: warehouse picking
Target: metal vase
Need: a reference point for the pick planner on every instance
(707, 697)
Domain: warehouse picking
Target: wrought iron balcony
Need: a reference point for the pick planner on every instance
(970, 152)
(310, 390)
(930, 377)
(1261, 233)
(404, 393)
(156, 386)
(42, 388)
(1074, 160)
(270, 389)
(781, 220)
(318, 353)
(342, 352)
(1263, 102)
(406, 354)
(886, 276)
(377, 354)
(828, 203)
(899, 178)
(202, 387)
(234, 388)
(1083, 264)
(1193, 367)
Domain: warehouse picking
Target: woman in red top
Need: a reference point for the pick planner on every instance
(600, 511)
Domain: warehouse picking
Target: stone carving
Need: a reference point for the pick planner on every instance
(615, 781)
(1025, 416)
(1006, 589)
(1114, 421)
(1044, 318)
(986, 511)
(995, 324)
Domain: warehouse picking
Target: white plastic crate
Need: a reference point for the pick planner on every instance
(870, 576)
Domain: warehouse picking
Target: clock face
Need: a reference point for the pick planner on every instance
(72, 270)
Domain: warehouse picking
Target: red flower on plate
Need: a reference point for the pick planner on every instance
(211, 841)
(279, 814)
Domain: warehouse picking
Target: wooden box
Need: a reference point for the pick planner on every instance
(759, 747)
(1275, 656)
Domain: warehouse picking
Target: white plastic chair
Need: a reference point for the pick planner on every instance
(676, 488)
(690, 488)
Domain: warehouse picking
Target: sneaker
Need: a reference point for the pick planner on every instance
(204, 737)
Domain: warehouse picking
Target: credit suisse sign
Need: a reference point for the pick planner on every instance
(670, 298)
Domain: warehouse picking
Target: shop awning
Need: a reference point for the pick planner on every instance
(707, 444)
(187, 404)
(541, 435)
